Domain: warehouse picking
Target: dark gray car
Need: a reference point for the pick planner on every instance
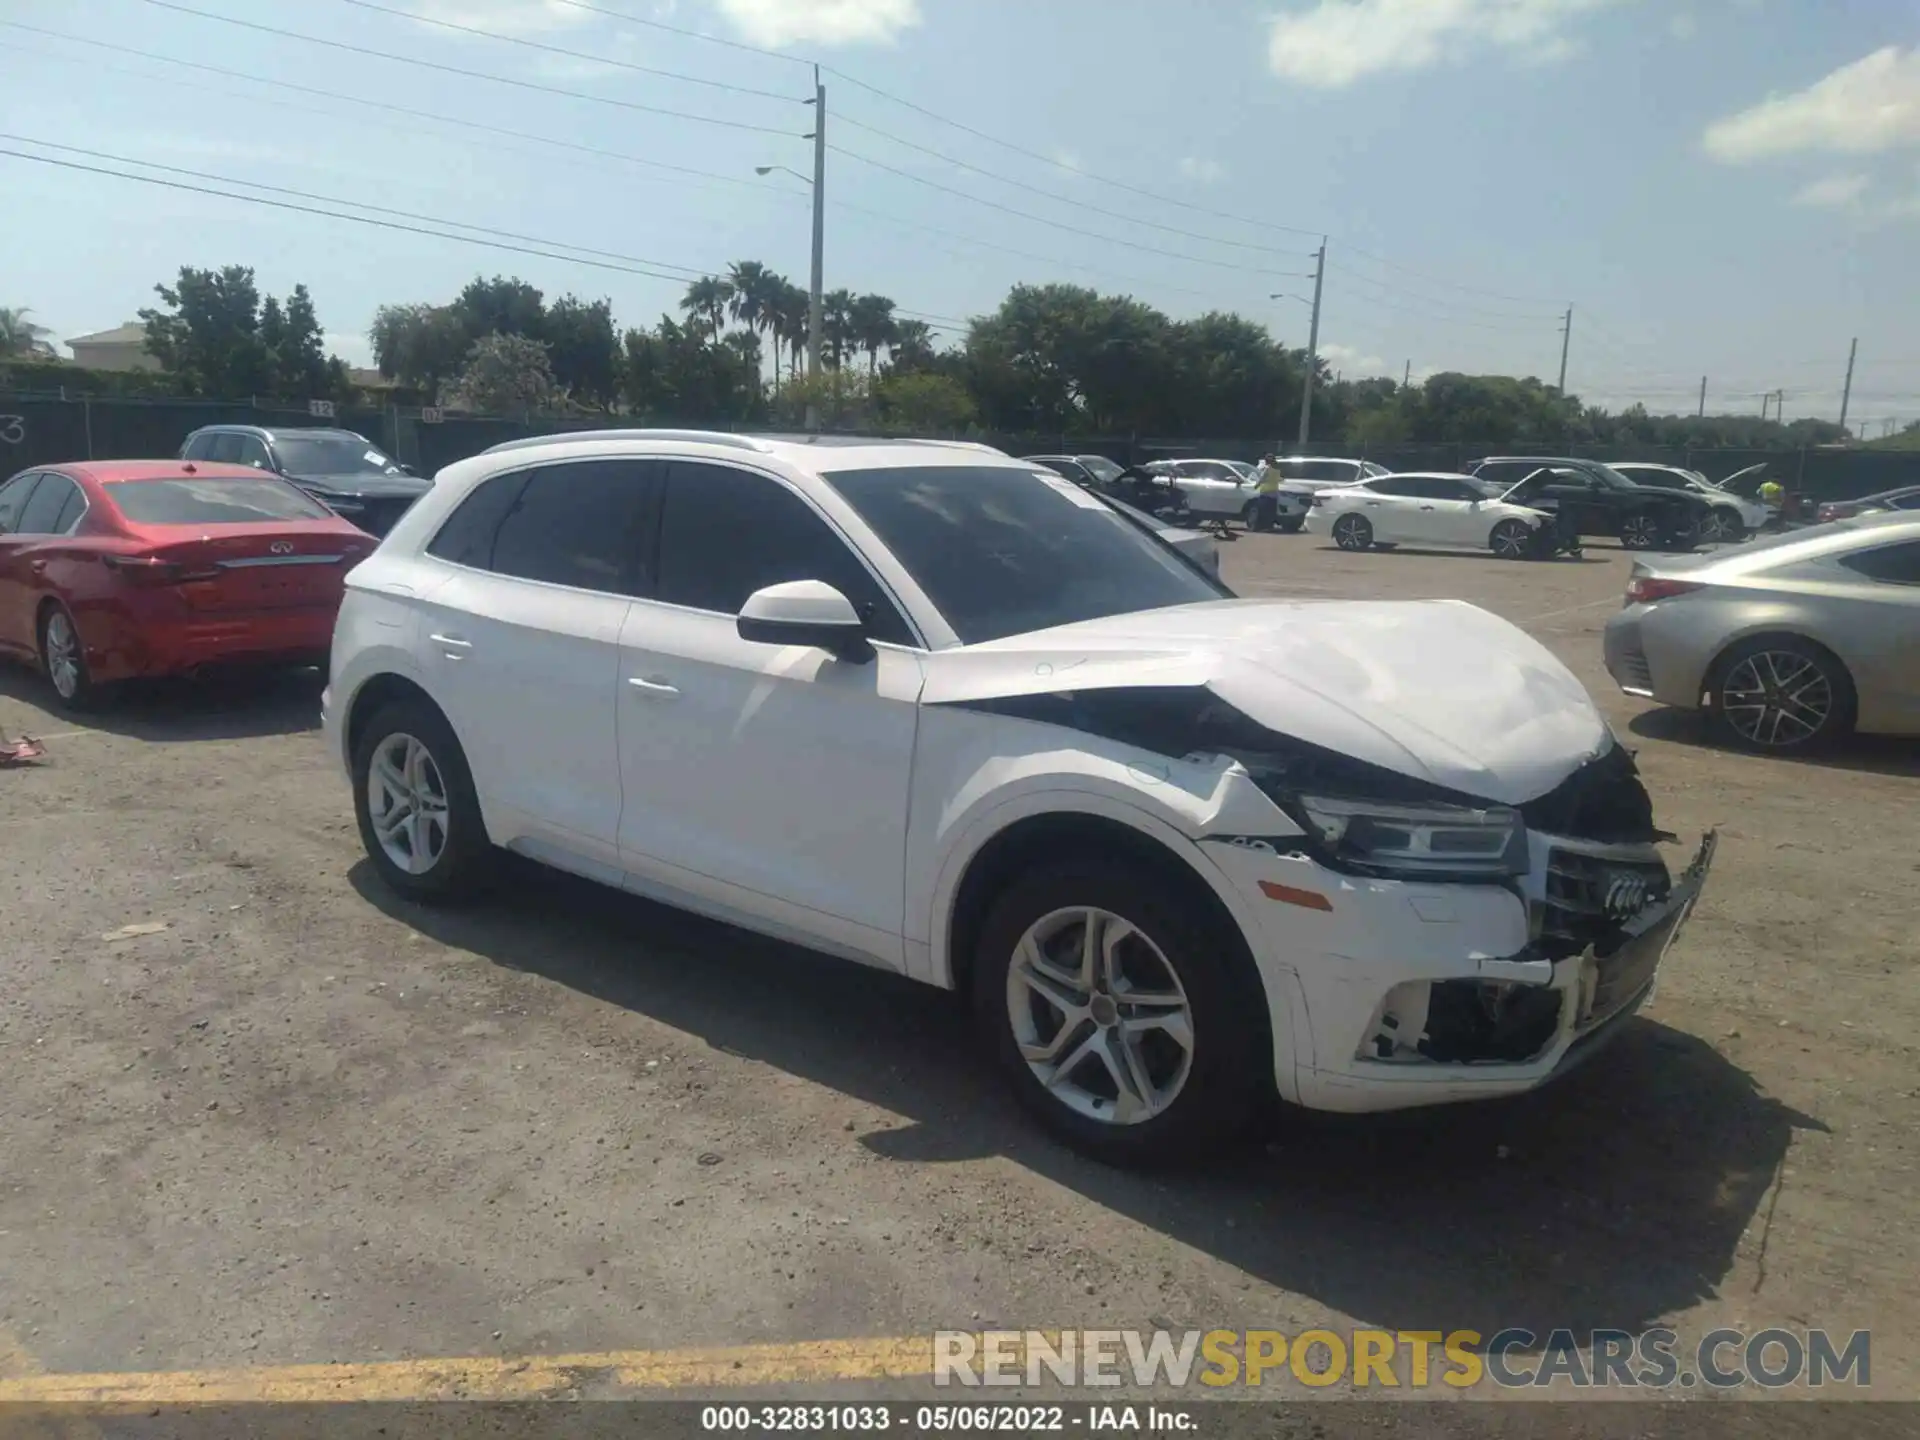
(341, 469)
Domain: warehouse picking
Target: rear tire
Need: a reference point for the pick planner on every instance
(1353, 532)
(1189, 1050)
(1780, 695)
(1291, 525)
(414, 799)
(63, 660)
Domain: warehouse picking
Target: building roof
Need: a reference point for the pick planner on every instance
(132, 333)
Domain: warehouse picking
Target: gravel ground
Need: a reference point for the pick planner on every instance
(261, 1113)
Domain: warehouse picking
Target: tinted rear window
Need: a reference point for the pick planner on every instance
(212, 500)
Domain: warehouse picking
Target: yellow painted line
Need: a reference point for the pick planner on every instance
(484, 1377)
(17, 1363)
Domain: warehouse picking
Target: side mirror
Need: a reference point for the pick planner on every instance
(805, 612)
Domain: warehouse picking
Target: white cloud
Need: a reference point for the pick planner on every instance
(1206, 172)
(1683, 26)
(1338, 42)
(1860, 109)
(1356, 364)
(775, 23)
(1833, 192)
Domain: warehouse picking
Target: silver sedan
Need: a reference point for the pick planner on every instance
(1787, 641)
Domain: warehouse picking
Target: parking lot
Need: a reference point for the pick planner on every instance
(261, 1115)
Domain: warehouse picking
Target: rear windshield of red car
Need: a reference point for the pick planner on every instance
(212, 500)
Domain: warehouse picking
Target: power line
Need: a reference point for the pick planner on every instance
(1435, 279)
(1451, 308)
(1056, 224)
(336, 215)
(387, 106)
(692, 273)
(1067, 199)
(570, 54)
(469, 74)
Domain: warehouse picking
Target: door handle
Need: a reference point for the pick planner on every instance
(39, 567)
(1426, 507)
(453, 648)
(653, 687)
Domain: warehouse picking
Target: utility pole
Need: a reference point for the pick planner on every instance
(1701, 413)
(1779, 407)
(1566, 339)
(1406, 375)
(1766, 399)
(1313, 343)
(819, 238)
(1846, 392)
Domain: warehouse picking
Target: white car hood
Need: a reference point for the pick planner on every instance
(1436, 689)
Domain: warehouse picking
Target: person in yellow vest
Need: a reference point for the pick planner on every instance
(1266, 493)
(1773, 495)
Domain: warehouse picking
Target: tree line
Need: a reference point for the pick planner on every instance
(1049, 360)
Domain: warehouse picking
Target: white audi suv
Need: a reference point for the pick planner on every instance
(926, 708)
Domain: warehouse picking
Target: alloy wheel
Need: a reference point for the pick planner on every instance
(1511, 540)
(1639, 532)
(1351, 532)
(1100, 1016)
(1777, 698)
(63, 655)
(1721, 527)
(407, 803)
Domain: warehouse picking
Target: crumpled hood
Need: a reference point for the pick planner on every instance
(1436, 689)
(367, 486)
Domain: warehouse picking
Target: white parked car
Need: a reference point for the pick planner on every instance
(917, 705)
(1317, 472)
(1733, 516)
(1224, 490)
(1429, 509)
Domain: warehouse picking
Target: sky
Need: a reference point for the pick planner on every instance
(1727, 189)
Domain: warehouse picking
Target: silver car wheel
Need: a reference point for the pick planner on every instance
(1639, 532)
(1721, 527)
(407, 804)
(1352, 532)
(1511, 539)
(1100, 1016)
(63, 655)
(1776, 698)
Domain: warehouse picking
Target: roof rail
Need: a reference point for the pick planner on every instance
(696, 437)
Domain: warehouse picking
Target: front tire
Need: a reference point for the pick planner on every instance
(63, 660)
(413, 796)
(1779, 694)
(1723, 527)
(1512, 540)
(1110, 1005)
(1353, 532)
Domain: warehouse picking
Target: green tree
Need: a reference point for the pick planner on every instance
(756, 294)
(836, 327)
(501, 306)
(209, 335)
(706, 300)
(912, 346)
(872, 328)
(419, 345)
(924, 403)
(20, 338)
(583, 349)
(504, 375)
(790, 306)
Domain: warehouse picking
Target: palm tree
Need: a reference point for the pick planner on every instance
(20, 337)
(707, 299)
(871, 325)
(791, 306)
(912, 344)
(836, 326)
(755, 289)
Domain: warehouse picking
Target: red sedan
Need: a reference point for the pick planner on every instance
(123, 568)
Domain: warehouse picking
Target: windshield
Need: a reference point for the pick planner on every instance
(332, 455)
(1339, 472)
(1001, 551)
(212, 501)
(1100, 467)
(1207, 470)
(1241, 468)
(1611, 477)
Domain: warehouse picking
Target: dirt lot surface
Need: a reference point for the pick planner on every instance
(260, 1114)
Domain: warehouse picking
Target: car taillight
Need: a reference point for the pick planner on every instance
(1645, 589)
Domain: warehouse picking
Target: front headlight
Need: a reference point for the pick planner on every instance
(1415, 841)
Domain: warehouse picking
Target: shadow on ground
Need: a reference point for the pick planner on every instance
(1870, 754)
(1610, 1199)
(232, 704)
